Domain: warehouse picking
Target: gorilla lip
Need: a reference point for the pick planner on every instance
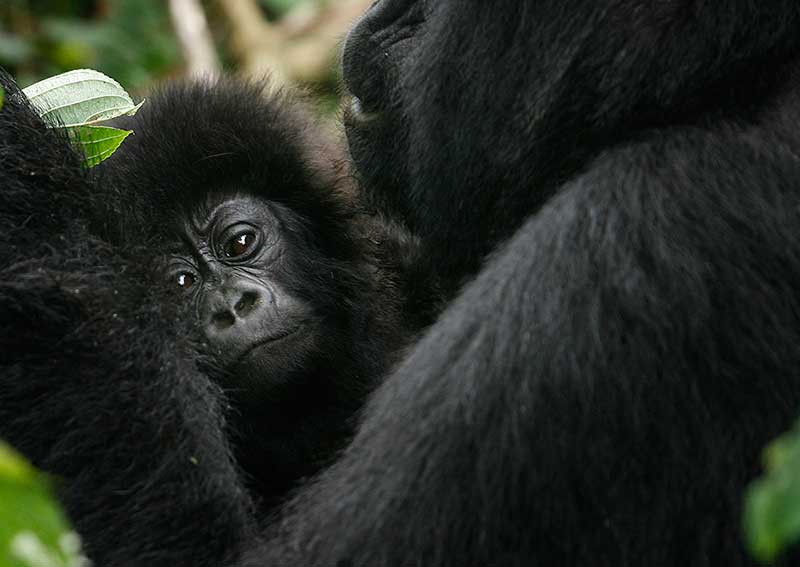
(271, 340)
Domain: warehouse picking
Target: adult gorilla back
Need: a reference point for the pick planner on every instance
(599, 392)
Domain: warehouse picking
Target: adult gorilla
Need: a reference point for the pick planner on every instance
(599, 392)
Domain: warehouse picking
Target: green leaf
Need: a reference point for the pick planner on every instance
(2, 96)
(97, 142)
(80, 98)
(77, 100)
(33, 529)
(772, 502)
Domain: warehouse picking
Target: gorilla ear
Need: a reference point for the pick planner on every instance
(78, 101)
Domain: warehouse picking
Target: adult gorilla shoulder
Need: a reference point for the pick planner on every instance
(600, 390)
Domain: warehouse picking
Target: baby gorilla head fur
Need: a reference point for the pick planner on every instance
(294, 292)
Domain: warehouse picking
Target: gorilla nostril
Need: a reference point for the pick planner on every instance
(246, 303)
(223, 320)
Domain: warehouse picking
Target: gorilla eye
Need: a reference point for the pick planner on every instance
(185, 280)
(240, 244)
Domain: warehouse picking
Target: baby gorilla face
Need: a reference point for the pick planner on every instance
(232, 262)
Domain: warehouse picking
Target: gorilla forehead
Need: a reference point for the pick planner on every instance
(228, 124)
(219, 206)
(237, 140)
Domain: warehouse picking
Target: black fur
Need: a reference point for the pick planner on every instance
(601, 389)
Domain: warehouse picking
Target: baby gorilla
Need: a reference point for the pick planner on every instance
(296, 294)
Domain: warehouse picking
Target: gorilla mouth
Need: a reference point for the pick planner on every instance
(270, 341)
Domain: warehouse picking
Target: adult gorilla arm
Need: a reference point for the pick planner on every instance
(599, 395)
(96, 385)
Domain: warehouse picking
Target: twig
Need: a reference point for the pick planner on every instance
(191, 27)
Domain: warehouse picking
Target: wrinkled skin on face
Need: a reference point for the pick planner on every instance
(234, 263)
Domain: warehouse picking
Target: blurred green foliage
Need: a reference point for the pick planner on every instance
(772, 503)
(278, 8)
(130, 40)
(33, 529)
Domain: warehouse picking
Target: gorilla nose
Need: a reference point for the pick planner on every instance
(227, 317)
(233, 313)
